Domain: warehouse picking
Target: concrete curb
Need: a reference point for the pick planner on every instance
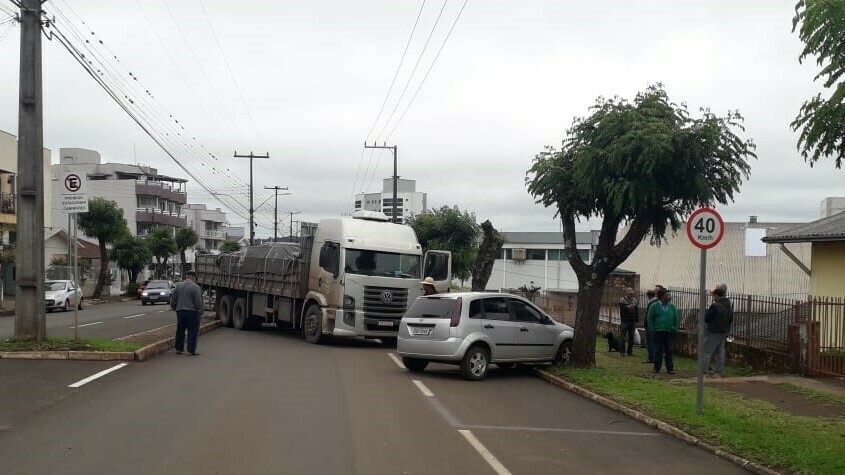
(153, 349)
(68, 355)
(657, 424)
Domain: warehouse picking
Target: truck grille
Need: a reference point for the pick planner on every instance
(385, 303)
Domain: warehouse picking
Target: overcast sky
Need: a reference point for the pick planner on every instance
(313, 76)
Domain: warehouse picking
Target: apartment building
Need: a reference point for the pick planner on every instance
(209, 224)
(409, 200)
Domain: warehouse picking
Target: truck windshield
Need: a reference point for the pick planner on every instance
(384, 264)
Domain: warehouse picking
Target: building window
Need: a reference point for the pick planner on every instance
(357, 204)
(535, 254)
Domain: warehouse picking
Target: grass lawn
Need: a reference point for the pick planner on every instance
(756, 430)
(67, 344)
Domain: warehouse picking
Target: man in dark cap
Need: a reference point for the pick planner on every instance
(718, 318)
(187, 301)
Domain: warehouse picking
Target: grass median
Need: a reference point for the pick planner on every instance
(68, 344)
(754, 429)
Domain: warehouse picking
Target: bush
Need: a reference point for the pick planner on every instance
(132, 289)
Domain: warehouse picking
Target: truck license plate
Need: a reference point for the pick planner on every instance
(385, 323)
(420, 331)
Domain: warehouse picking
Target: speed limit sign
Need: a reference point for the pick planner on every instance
(705, 228)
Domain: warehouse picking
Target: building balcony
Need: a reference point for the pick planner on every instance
(210, 234)
(160, 190)
(156, 217)
(8, 209)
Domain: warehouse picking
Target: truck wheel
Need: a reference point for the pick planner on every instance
(312, 325)
(475, 363)
(239, 314)
(389, 341)
(224, 310)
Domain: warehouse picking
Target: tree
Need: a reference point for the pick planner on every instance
(185, 238)
(449, 229)
(489, 250)
(230, 246)
(822, 121)
(132, 255)
(162, 245)
(646, 164)
(104, 221)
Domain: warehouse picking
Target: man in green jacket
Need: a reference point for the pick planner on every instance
(663, 320)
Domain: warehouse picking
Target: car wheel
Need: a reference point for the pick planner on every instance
(414, 365)
(475, 363)
(239, 314)
(312, 325)
(80, 303)
(564, 354)
(224, 310)
(65, 306)
(506, 365)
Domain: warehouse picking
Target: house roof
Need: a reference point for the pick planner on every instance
(86, 249)
(545, 237)
(831, 228)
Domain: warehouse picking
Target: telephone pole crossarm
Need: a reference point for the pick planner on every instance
(276, 190)
(251, 157)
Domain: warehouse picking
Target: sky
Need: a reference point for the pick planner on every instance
(305, 82)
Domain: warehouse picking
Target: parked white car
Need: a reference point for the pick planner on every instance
(62, 295)
(474, 329)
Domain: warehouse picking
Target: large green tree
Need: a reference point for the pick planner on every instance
(821, 26)
(449, 229)
(162, 245)
(185, 238)
(104, 222)
(230, 246)
(644, 163)
(132, 255)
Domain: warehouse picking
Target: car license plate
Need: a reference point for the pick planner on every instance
(385, 323)
(417, 331)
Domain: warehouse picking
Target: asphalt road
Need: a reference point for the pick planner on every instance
(269, 403)
(106, 321)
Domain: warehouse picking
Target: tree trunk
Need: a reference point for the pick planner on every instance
(182, 268)
(133, 276)
(104, 270)
(489, 250)
(586, 321)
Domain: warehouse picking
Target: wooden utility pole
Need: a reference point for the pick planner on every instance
(30, 323)
(394, 218)
(276, 190)
(251, 157)
(291, 213)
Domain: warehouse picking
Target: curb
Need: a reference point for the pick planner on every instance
(656, 423)
(153, 349)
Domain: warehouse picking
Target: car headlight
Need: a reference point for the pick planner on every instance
(164, 293)
(348, 302)
(144, 294)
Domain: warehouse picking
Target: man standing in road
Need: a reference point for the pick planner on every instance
(718, 318)
(628, 314)
(187, 301)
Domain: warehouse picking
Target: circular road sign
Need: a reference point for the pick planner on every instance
(73, 183)
(705, 228)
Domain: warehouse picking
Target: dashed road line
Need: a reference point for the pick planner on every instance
(134, 316)
(485, 454)
(87, 380)
(143, 332)
(422, 387)
(396, 360)
(86, 325)
(162, 311)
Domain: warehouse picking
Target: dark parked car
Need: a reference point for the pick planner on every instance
(157, 291)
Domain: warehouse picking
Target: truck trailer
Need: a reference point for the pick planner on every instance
(348, 277)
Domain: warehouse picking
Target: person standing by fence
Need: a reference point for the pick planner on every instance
(663, 320)
(651, 295)
(628, 316)
(719, 317)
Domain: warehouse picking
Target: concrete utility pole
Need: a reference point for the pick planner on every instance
(276, 209)
(291, 213)
(394, 218)
(251, 157)
(30, 323)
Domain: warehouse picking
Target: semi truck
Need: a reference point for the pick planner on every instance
(352, 276)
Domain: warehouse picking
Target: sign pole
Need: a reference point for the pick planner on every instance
(701, 329)
(76, 277)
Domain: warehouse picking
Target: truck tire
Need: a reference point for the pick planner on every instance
(224, 310)
(240, 319)
(312, 325)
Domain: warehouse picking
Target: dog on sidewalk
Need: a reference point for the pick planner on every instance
(613, 343)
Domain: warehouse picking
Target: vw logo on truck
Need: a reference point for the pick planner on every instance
(387, 296)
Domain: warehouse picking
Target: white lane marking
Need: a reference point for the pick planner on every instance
(396, 360)
(162, 311)
(423, 389)
(144, 332)
(87, 324)
(485, 454)
(133, 316)
(98, 375)
(555, 429)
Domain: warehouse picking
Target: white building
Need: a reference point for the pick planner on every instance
(409, 201)
(209, 224)
(148, 200)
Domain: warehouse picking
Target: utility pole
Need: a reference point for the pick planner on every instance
(291, 213)
(251, 157)
(394, 218)
(30, 323)
(276, 209)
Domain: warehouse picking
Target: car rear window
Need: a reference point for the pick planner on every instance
(431, 308)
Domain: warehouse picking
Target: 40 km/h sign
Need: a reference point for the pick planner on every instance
(705, 228)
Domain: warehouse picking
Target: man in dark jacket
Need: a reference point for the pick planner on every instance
(628, 314)
(186, 299)
(718, 317)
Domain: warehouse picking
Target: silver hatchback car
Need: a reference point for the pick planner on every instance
(474, 329)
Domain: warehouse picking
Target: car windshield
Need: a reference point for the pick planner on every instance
(431, 308)
(386, 264)
(54, 286)
(158, 285)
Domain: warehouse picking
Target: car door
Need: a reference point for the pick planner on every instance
(537, 333)
(497, 325)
